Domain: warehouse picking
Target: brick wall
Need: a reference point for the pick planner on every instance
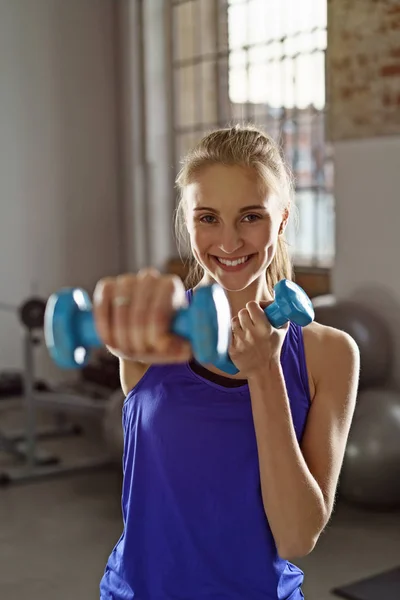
(363, 67)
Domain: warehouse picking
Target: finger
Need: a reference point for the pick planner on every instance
(244, 319)
(123, 299)
(265, 303)
(235, 325)
(140, 310)
(237, 331)
(257, 315)
(170, 297)
(102, 310)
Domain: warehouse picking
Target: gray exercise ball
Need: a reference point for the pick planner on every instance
(370, 475)
(112, 425)
(370, 332)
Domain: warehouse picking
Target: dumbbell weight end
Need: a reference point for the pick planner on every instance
(206, 323)
(69, 328)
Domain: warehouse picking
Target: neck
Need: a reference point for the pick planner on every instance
(257, 291)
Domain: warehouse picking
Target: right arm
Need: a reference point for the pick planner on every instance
(130, 373)
(133, 314)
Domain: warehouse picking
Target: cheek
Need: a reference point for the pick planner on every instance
(261, 236)
(201, 237)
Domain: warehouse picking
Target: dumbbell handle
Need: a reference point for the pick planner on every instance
(291, 304)
(86, 334)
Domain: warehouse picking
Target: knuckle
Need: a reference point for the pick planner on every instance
(125, 280)
(148, 273)
(102, 288)
(252, 305)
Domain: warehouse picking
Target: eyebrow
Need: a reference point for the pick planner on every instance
(242, 210)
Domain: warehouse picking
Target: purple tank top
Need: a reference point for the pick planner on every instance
(194, 523)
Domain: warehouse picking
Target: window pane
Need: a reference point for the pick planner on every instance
(208, 92)
(237, 18)
(183, 27)
(266, 52)
(238, 85)
(185, 90)
(310, 80)
(288, 75)
(325, 227)
(204, 29)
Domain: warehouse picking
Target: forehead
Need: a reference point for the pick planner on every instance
(219, 185)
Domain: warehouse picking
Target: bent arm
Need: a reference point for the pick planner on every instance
(298, 484)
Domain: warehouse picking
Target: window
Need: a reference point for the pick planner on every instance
(261, 61)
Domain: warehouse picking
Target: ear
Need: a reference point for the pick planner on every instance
(285, 217)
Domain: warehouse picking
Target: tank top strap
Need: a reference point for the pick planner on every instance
(294, 359)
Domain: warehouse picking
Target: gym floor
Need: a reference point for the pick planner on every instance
(55, 537)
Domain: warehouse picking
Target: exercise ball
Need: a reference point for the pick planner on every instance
(370, 474)
(112, 425)
(370, 332)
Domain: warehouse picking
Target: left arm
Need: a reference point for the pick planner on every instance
(299, 484)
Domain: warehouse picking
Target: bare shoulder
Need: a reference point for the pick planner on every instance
(130, 373)
(330, 353)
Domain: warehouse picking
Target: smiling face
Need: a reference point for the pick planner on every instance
(233, 226)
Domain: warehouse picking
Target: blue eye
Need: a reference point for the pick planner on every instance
(256, 218)
(204, 219)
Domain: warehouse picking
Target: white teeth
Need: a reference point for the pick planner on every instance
(233, 263)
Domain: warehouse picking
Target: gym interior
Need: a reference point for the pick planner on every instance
(99, 101)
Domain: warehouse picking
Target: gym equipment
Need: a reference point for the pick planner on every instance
(369, 331)
(291, 303)
(23, 445)
(370, 475)
(385, 586)
(31, 313)
(70, 331)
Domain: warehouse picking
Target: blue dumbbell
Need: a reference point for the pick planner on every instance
(70, 330)
(291, 303)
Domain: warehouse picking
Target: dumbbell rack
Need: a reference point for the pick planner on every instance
(36, 464)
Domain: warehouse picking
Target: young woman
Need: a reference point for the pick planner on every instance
(226, 478)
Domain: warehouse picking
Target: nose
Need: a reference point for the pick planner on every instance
(231, 241)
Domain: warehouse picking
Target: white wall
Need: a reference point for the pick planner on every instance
(367, 263)
(59, 197)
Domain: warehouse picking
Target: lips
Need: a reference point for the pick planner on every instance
(233, 264)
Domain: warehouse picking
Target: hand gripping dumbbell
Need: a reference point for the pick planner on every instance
(291, 303)
(70, 330)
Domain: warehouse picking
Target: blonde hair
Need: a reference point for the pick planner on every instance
(244, 146)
